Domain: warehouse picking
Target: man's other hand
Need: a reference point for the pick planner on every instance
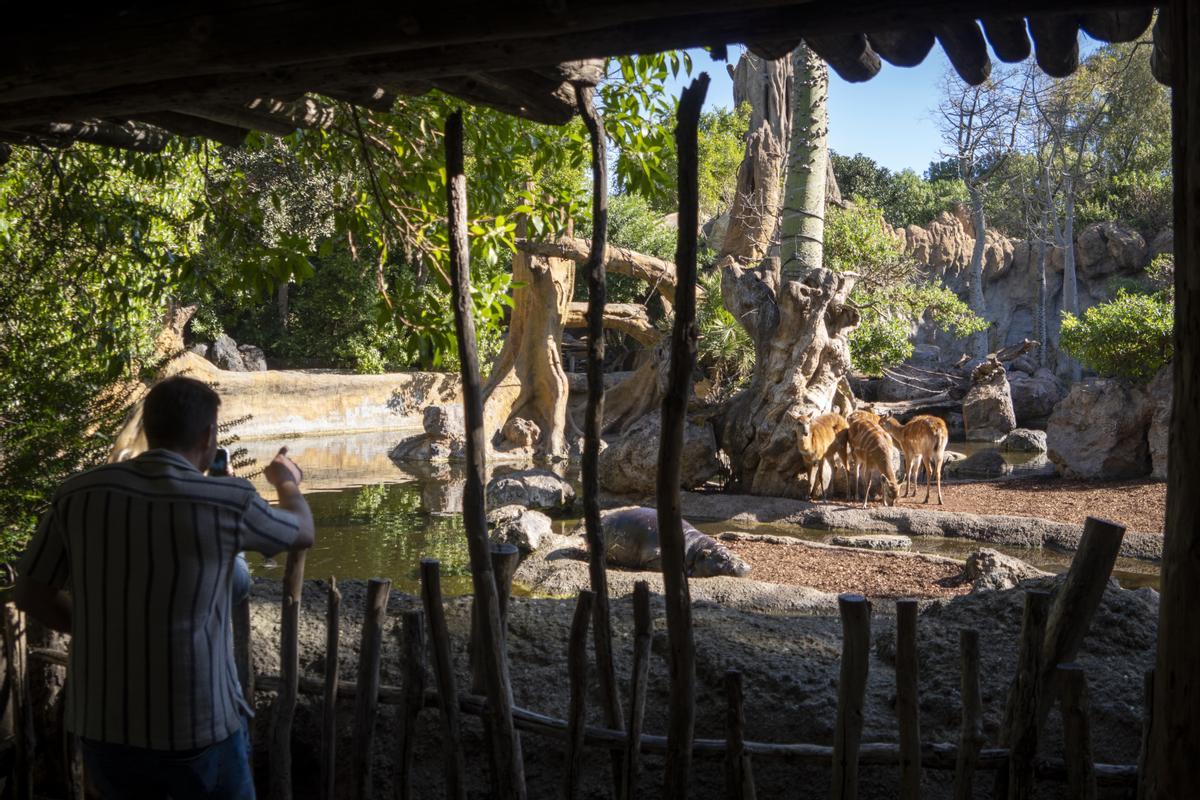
(282, 470)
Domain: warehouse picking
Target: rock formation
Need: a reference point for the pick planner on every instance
(630, 464)
(1099, 431)
(988, 407)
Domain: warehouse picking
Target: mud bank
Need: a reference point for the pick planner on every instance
(992, 529)
(789, 663)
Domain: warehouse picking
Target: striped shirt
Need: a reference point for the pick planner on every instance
(146, 548)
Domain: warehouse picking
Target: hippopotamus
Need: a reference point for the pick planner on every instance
(631, 540)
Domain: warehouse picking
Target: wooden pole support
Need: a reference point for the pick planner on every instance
(329, 706)
(289, 674)
(637, 690)
(413, 699)
(1023, 733)
(907, 707)
(1147, 726)
(1077, 735)
(1076, 602)
(509, 772)
(593, 419)
(16, 648)
(852, 687)
(366, 702)
(681, 647)
(242, 650)
(443, 675)
(505, 560)
(577, 676)
(739, 777)
(970, 736)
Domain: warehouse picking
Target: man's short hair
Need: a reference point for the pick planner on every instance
(176, 412)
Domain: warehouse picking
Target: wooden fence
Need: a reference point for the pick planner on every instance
(1052, 630)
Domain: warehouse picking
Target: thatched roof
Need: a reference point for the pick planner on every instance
(132, 78)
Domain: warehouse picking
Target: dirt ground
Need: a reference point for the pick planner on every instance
(873, 574)
(1140, 505)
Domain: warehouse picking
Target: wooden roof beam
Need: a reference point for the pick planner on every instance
(375, 98)
(1056, 43)
(965, 47)
(267, 114)
(1116, 25)
(304, 112)
(127, 135)
(1160, 56)
(501, 97)
(188, 125)
(240, 117)
(902, 48)
(773, 49)
(850, 56)
(32, 140)
(1008, 38)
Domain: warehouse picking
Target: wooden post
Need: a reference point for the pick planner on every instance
(243, 650)
(329, 707)
(1077, 736)
(1174, 769)
(907, 708)
(16, 648)
(678, 599)
(366, 701)
(739, 777)
(1023, 733)
(289, 677)
(852, 688)
(593, 418)
(505, 560)
(1147, 727)
(1075, 603)
(970, 736)
(637, 690)
(413, 699)
(443, 675)
(510, 773)
(577, 676)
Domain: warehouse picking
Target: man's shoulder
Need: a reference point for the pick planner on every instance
(151, 476)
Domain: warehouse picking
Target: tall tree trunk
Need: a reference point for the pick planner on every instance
(979, 341)
(1042, 328)
(1070, 298)
(281, 303)
(802, 226)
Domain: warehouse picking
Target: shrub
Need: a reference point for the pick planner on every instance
(1128, 337)
(724, 350)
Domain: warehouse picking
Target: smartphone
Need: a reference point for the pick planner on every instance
(220, 464)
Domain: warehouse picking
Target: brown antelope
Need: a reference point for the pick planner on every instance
(821, 440)
(923, 442)
(871, 450)
(852, 465)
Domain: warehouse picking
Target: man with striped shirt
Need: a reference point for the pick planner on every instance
(135, 560)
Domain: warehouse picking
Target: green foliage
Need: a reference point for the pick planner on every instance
(724, 351)
(904, 197)
(892, 296)
(1128, 337)
(92, 241)
(1141, 199)
(632, 224)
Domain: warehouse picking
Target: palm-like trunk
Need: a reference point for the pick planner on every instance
(802, 226)
(979, 342)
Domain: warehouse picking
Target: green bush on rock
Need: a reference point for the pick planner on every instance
(1128, 337)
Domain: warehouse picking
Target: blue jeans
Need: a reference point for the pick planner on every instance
(220, 771)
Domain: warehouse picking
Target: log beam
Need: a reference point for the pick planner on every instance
(849, 55)
(375, 98)
(628, 318)
(657, 272)
(127, 136)
(189, 125)
(1009, 40)
(903, 48)
(965, 47)
(1056, 43)
(1117, 25)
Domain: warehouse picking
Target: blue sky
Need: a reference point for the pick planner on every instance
(889, 118)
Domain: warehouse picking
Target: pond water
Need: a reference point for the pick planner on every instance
(375, 519)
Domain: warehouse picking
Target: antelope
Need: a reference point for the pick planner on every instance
(852, 463)
(923, 441)
(872, 451)
(820, 441)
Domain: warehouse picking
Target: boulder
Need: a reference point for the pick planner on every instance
(1099, 431)
(629, 464)
(991, 570)
(524, 528)
(1158, 400)
(988, 408)
(444, 439)
(1024, 440)
(200, 349)
(1035, 396)
(521, 432)
(532, 488)
(253, 358)
(1105, 248)
(1024, 364)
(873, 541)
(225, 354)
(985, 464)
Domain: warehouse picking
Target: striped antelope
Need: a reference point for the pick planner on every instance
(923, 442)
(871, 449)
(821, 440)
(852, 465)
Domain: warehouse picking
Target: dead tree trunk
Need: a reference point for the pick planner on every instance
(528, 381)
